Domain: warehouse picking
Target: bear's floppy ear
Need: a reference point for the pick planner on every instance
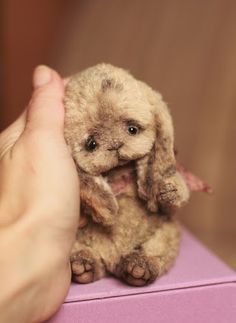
(160, 163)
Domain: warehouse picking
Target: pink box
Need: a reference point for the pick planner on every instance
(199, 288)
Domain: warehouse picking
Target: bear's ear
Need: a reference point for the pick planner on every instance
(160, 162)
(97, 199)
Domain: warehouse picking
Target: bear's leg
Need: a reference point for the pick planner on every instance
(152, 258)
(86, 265)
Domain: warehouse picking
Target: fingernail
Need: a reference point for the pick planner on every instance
(42, 75)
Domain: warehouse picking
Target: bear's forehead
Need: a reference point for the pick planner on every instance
(110, 111)
(109, 101)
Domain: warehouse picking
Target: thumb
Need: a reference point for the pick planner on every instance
(46, 111)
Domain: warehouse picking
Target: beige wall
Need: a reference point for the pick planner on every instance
(186, 49)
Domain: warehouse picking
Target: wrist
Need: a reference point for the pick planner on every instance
(27, 266)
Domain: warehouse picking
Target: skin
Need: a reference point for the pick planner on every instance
(39, 206)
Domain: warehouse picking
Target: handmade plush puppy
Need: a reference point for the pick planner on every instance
(121, 136)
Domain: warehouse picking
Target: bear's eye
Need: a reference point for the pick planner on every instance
(91, 144)
(133, 130)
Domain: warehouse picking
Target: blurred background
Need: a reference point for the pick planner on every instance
(186, 49)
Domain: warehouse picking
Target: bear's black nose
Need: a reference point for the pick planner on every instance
(115, 146)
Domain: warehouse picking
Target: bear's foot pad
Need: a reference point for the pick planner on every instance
(136, 270)
(83, 267)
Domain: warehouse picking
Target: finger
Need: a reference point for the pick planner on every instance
(18, 124)
(46, 110)
(10, 135)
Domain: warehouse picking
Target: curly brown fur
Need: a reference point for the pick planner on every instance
(116, 125)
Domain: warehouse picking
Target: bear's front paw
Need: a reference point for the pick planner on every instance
(102, 210)
(168, 198)
(173, 193)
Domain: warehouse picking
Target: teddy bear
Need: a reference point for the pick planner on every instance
(121, 137)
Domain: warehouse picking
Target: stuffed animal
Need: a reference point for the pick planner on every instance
(121, 137)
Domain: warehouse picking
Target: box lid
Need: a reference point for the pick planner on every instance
(195, 266)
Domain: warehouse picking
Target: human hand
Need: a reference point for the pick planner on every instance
(39, 206)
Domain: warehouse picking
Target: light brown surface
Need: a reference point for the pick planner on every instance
(185, 49)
